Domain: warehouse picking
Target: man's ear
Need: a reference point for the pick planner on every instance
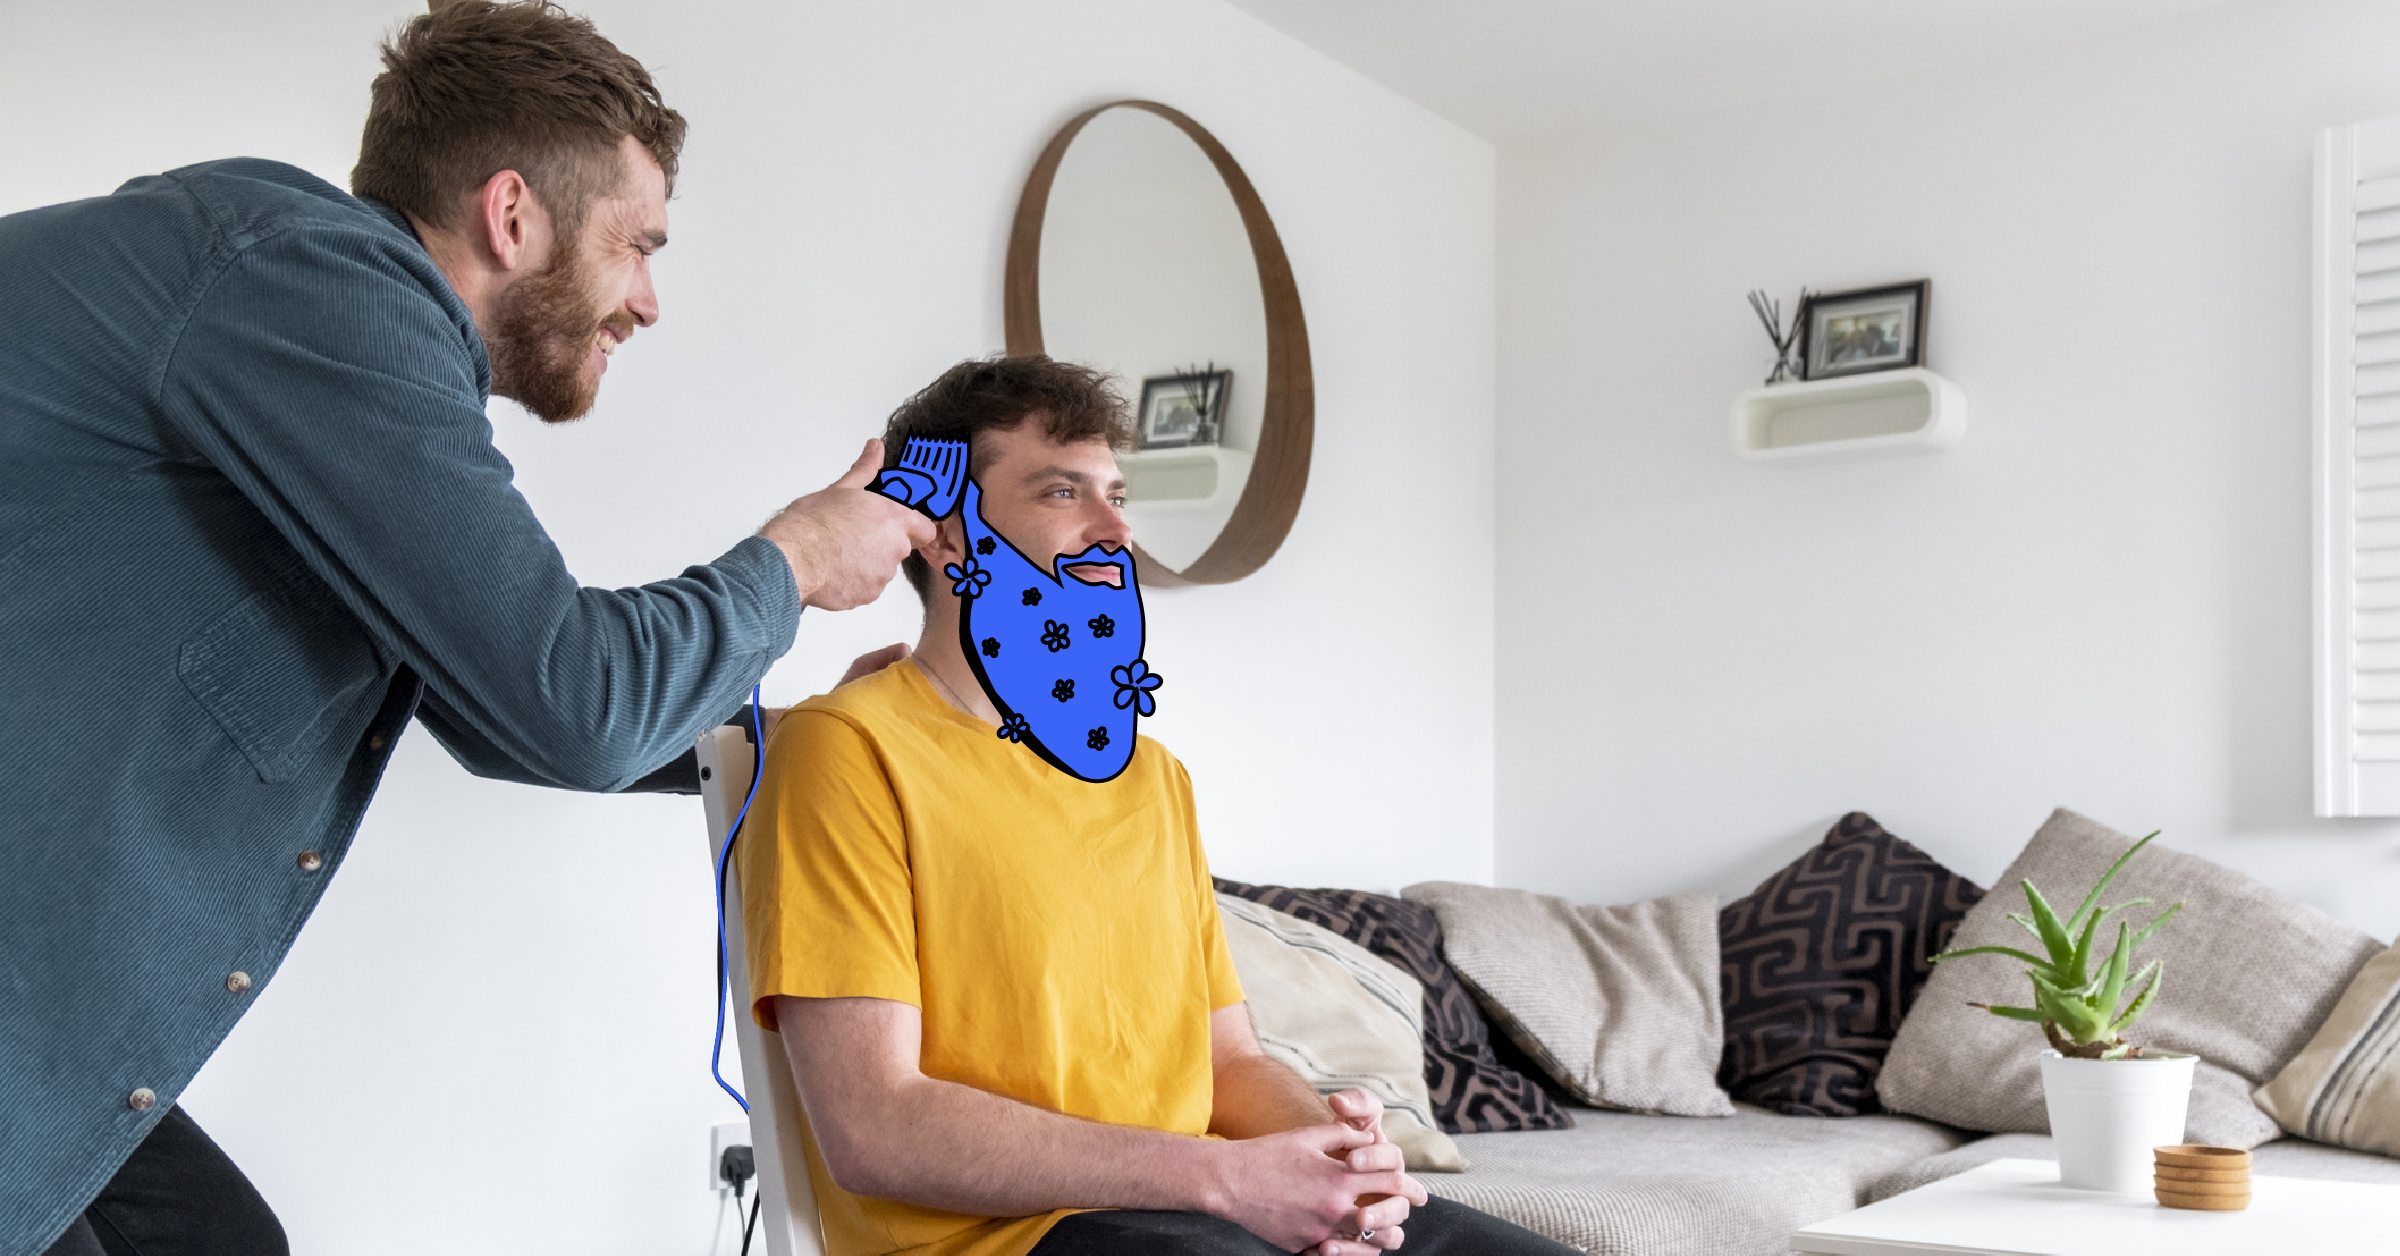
(512, 226)
(949, 543)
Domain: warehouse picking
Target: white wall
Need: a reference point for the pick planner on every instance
(493, 1035)
(2099, 600)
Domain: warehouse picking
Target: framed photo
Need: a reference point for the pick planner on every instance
(1185, 409)
(1869, 329)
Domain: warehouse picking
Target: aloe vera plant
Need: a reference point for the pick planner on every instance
(2082, 1009)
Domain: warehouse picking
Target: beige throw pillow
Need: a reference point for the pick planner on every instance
(1340, 1017)
(2250, 974)
(1618, 1004)
(2344, 1086)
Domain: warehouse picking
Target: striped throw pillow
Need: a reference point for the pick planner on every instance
(1340, 1018)
(1474, 1089)
(2344, 1086)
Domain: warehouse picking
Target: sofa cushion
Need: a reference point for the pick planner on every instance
(2249, 975)
(1469, 1089)
(1618, 1004)
(2284, 1157)
(2344, 1086)
(1341, 1018)
(1626, 1183)
(1822, 961)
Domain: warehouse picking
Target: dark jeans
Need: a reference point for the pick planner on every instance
(1440, 1228)
(178, 1195)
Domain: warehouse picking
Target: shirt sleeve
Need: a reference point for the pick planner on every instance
(324, 375)
(1224, 984)
(828, 903)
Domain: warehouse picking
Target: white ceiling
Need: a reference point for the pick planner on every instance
(1510, 68)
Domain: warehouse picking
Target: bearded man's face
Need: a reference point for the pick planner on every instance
(1040, 566)
(1056, 644)
(544, 333)
(552, 331)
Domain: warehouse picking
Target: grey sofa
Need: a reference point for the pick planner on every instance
(1625, 1184)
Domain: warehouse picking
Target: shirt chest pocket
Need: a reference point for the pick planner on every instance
(279, 669)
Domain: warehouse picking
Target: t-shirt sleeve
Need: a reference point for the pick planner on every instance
(1224, 984)
(828, 906)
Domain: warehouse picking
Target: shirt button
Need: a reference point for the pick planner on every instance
(310, 861)
(141, 1100)
(237, 982)
(374, 741)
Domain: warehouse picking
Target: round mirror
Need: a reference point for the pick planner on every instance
(1141, 248)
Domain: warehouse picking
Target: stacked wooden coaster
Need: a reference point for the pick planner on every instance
(2209, 1179)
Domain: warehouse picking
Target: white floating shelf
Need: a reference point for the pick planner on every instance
(1201, 474)
(1859, 416)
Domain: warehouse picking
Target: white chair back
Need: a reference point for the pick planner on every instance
(787, 1212)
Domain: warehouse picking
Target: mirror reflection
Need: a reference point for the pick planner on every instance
(1146, 272)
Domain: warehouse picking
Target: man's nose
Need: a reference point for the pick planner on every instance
(642, 301)
(1110, 529)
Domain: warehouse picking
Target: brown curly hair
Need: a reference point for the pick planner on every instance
(1074, 402)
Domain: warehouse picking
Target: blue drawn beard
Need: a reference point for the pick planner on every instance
(1060, 658)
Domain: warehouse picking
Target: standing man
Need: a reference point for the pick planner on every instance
(252, 523)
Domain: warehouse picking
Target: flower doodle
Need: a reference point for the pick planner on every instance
(1014, 728)
(991, 647)
(967, 581)
(1031, 597)
(984, 546)
(1101, 626)
(1055, 636)
(1135, 680)
(1064, 691)
(1097, 739)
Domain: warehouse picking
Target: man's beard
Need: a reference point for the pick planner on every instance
(543, 331)
(1061, 659)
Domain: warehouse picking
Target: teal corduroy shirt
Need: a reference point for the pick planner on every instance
(251, 523)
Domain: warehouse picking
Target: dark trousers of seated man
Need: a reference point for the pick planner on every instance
(178, 1194)
(1440, 1228)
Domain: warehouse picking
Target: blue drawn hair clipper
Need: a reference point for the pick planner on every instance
(931, 477)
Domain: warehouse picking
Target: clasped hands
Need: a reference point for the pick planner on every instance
(1337, 1189)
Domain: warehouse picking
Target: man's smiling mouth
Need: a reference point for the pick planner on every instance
(1110, 574)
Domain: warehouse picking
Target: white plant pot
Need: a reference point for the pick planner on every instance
(2107, 1115)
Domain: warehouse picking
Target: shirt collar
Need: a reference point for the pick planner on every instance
(394, 217)
(471, 335)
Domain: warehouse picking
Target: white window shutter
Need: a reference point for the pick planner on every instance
(2357, 439)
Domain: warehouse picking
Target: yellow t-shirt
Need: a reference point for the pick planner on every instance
(1060, 938)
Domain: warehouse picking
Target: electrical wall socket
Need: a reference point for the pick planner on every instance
(720, 1137)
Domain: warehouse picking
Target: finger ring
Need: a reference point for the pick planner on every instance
(1365, 1235)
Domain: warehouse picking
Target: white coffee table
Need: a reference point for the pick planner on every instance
(2017, 1208)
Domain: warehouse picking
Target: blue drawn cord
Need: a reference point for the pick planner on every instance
(758, 769)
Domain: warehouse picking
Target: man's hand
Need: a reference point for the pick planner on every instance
(844, 543)
(1360, 1110)
(1300, 1190)
(1257, 1100)
(873, 661)
(1378, 1216)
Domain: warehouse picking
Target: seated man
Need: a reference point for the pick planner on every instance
(1002, 983)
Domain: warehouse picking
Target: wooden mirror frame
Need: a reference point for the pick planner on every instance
(1270, 500)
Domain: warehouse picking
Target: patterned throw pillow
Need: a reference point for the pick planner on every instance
(1820, 963)
(1472, 1092)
